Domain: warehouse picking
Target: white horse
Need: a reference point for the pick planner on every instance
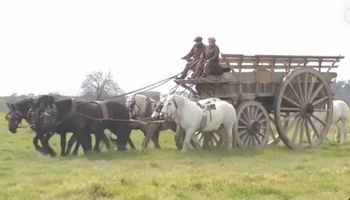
(218, 116)
(140, 106)
(179, 137)
(340, 119)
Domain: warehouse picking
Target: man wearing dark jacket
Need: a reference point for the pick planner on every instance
(193, 56)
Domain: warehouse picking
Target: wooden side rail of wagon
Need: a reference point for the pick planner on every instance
(239, 62)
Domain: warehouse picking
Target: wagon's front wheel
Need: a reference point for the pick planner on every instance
(209, 140)
(303, 107)
(253, 125)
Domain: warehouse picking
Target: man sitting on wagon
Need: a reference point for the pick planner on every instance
(212, 66)
(193, 56)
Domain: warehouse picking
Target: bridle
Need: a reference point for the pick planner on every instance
(166, 114)
(175, 104)
(18, 115)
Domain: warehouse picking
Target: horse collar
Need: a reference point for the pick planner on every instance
(71, 113)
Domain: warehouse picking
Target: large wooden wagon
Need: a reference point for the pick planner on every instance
(274, 93)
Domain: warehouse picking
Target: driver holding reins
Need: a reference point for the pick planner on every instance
(193, 56)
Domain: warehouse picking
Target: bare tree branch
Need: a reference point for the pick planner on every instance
(98, 86)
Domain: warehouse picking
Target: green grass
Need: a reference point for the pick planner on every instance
(270, 173)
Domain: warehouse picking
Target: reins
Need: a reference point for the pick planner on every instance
(117, 120)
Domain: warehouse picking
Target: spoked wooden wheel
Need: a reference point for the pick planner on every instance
(253, 127)
(303, 106)
(209, 140)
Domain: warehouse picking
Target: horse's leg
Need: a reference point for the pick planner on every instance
(97, 142)
(63, 144)
(105, 140)
(150, 130)
(229, 136)
(345, 129)
(342, 130)
(71, 141)
(84, 139)
(338, 132)
(188, 137)
(145, 131)
(76, 147)
(178, 137)
(36, 143)
(122, 131)
(46, 145)
(131, 143)
(155, 139)
(101, 136)
(155, 136)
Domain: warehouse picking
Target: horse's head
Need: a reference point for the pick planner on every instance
(157, 110)
(170, 106)
(138, 105)
(18, 112)
(14, 118)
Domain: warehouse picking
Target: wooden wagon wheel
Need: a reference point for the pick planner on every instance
(209, 140)
(302, 93)
(274, 137)
(253, 126)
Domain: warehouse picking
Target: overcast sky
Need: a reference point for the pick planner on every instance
(50, 46)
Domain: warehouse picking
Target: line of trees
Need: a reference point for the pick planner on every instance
(96, 86)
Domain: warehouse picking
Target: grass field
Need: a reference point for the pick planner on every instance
(270, 173)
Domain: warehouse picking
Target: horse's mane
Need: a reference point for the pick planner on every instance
(45, 100)
(180, 100)
(24, 104)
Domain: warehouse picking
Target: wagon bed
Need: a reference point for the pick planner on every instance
(257, 76)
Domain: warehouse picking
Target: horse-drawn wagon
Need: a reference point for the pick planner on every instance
(273, 94)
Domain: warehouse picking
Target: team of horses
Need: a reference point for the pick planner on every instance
(47, 116)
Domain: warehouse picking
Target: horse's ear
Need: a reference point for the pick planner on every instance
(9, 106)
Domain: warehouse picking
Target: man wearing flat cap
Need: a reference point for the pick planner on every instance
(212, 59)
(193, 56)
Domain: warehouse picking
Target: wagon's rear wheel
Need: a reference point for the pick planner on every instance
(253, 125)
(303, 105)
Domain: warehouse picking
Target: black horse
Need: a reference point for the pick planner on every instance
(19, 111)
(83, 118)
(43, 103)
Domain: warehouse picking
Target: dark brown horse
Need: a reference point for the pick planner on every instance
(83, 118)
(19, 111)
